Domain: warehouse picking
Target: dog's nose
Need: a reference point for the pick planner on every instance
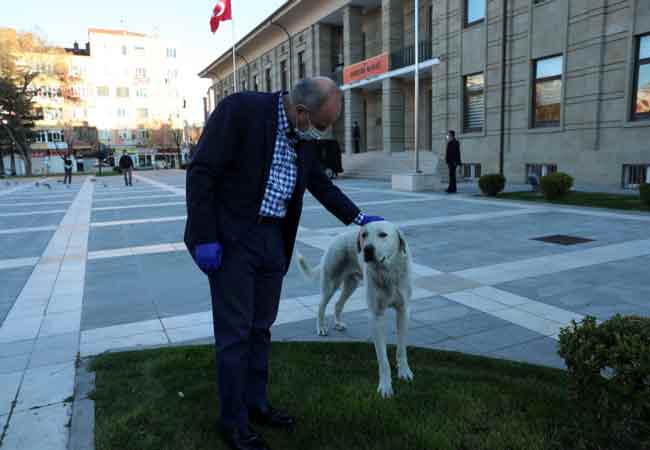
(368, 253)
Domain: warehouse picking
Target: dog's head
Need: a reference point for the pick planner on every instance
(380, 241)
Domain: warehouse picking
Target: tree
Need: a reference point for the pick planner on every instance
(17, 116)
(176, 136)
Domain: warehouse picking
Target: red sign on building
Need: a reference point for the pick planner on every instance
(366, 69)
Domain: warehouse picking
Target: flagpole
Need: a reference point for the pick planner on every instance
(417, 86)
(234, 58)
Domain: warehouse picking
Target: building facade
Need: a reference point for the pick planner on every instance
(558, 85)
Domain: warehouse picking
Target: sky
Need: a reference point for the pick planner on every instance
(187, 22)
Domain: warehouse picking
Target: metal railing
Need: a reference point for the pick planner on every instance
(406, 55)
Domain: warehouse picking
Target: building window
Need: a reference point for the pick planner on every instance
(474, 11)
(141, 73)
(171, 53)
(635, 175)
(283, 75)
(123, 92)
(302, 68)
(124, 49)
(102, 91)
(141, 92)
(121, 112)
(142, 113)
(474, 103)
(140, 51)
(267, 75)
(642, 80)
(547, 95)
(256, 83)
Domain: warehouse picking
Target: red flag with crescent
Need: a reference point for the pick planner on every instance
(220, 13)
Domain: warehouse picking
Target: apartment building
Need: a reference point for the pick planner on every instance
(530, 86)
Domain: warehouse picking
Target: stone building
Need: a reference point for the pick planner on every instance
(559, 85)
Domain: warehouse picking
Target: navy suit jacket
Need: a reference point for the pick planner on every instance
(226, 180)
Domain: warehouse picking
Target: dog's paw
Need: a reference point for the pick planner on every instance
(321, 330)
(340, 326)
(405, 373)
(385, 389)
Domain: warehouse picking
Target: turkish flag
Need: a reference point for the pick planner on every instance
(221, 12)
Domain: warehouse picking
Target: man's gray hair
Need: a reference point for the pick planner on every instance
(313, 92)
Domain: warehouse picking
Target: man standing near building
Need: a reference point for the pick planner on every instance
(67, 168)
(245, 189)
(356, 136)
(126, 166)
(453, 160)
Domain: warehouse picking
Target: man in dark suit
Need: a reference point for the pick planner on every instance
(245, 188)
(356, 136)
(453, 160)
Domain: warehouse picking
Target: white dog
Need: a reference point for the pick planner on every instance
(378, 253)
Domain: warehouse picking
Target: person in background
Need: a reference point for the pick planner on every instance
(453, 160)
(126, 166)
(356, 136)
(67, 168)
(245, 185)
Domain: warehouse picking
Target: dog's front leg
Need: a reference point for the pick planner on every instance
(403, 369)
(385, 387)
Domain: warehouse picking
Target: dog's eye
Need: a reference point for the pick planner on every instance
(364, 235)
(382, 235)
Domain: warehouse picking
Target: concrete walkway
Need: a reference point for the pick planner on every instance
(100, 267)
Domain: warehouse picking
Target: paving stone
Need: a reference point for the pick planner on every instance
(46, 385)
(42, 429)
(498, 338)
(541, 351)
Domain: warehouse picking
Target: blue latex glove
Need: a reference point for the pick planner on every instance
(208, 257)
(369, 219)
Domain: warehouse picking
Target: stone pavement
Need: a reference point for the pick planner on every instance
(100, 266)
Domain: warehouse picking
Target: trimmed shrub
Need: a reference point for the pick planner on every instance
(556, 185)
(492, 184)
(609, 381)
(644, 192)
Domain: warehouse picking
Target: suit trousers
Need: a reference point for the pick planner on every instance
(245, 297)
(452, 178)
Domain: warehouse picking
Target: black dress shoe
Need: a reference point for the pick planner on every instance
(271, 417)
(237, 440)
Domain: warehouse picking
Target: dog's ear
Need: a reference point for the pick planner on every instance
(359, 241)
(402, 242)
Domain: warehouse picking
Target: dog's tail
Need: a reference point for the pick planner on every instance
(312, 273)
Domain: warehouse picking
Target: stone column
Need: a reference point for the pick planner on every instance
(352, 53)
(392, 30)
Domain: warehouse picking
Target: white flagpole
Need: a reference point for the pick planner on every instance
(234, 50)
(417, 85)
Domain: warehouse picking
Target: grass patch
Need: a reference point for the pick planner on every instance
(457, 401)
(578, 198)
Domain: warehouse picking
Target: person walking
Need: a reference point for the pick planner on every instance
(255, 158)
(67, 168)
(453, 160)
(126, 166)
(356, 136)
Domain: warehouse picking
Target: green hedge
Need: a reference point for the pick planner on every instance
(609, 375)
(556, 185)
(644, 192)
(492, 184)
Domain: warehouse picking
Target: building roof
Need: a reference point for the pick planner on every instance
(267, 21)
(115, 32)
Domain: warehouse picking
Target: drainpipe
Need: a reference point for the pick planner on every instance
(504, 47)
(290, 52)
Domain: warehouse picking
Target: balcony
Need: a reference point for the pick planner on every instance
(406, 55)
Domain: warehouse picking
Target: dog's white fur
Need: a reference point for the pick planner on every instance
(388, 284)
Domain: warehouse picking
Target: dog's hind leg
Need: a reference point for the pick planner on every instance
(385, 387)
(328, 287)
(350, 284)
(403, 369)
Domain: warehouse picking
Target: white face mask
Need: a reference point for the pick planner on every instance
(310, 134)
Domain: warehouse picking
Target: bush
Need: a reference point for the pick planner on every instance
(609, 376)
(492, 184)
(556, 185)
(644, 192)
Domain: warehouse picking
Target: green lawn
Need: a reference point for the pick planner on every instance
(457, 401)
(594, 199)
